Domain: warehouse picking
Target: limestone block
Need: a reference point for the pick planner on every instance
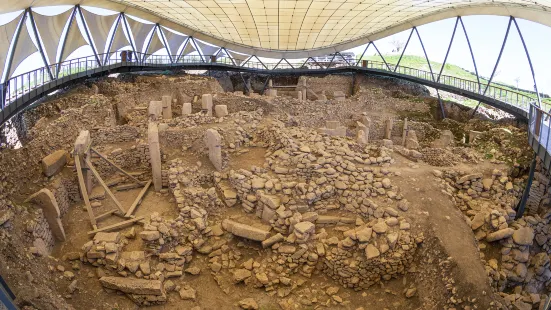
(155, 155)
(221, 110)
(167, 107)
(52, 163)
(81, 148)
(245, 231)
(186, 108)
(213, 141)
(271, 92)
(339, 95)
(332, 124)
(45, 199)
(155, 110)
(473, 135)
(133, 286)
(206, 101)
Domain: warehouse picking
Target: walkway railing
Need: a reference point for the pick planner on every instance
(539, 133)
(22, 84)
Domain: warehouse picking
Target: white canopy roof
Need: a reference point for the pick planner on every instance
(299, 28)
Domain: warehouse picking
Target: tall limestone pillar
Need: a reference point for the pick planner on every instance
(155, 155)
(213, 142)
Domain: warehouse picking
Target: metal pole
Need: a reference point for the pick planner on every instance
(343, 58)
(149, 42)
(183, 49)
(112, 39)
(277, 64)
(289, 63)
(404, 50)
(65, 39)
(14, 45)
(331, 62)
(472, 54)
(529, 61)
(448, 52)
(88, 33)
(431, 73)
(195, 46)
(365, 50)
(39, 43)
(166, 44)
(381, 56)
(130, 36)
(522, 203)
(259, 61)
(497, 63)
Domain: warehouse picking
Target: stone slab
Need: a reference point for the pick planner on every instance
(53, 163)
(133, 286)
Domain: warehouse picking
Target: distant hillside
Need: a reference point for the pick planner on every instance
(420, 63)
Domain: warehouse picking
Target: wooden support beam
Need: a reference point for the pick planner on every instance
(138, 199)
(102, 183)
(84, 192)
(116, 167)
(105, 215)
(117, 226)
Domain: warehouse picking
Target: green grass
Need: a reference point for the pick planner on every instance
(418, 62)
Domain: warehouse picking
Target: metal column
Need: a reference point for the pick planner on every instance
(497, 63)
(13, 45)
(39, 43)
(522, 203)
(403, 51)
(87, 31)
(431, 73)
(71, 19)
(529, 61)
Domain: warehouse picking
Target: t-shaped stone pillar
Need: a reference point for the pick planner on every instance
(186, 108)
(155, 110)
(207, 103)
(155, 155)
(167, 107)
(213, 141)
(82, 149)
(45, 199)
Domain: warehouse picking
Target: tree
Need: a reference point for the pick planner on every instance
(397, 44)
(517, 80)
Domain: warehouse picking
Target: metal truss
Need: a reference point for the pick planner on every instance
(122, 22)
(87, 31)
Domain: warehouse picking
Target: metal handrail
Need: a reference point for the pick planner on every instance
(23, 84)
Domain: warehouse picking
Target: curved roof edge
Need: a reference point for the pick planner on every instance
(533, 13)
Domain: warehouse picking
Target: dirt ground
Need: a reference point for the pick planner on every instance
(448, 269)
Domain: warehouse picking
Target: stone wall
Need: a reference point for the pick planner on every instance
(123, 133)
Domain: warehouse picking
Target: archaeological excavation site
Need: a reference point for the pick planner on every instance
(179, 191)
(275, 155)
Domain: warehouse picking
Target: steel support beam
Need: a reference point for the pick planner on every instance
(448, 52)
(277, 64)
(130, 35)
(331, 62)
(13, 47)
(404, 50)
(266, 83)
(71, 19)
(186, 42)
(39, 43)
(375, 46)
(166, 44)
(363, 53)
(497, 63)
(149, 42)
(196, 48)
(431, 72)
(108, 55)
(343, 58)
(529, 61)
(522, 203)
(289, 63)
(471, 51)
(87, 31)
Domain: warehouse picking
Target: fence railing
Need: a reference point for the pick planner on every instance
(23, 84)
(539, 133)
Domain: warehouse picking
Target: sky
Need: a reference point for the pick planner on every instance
(486, 34)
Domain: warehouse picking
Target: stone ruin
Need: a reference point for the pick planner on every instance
(292, 213)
